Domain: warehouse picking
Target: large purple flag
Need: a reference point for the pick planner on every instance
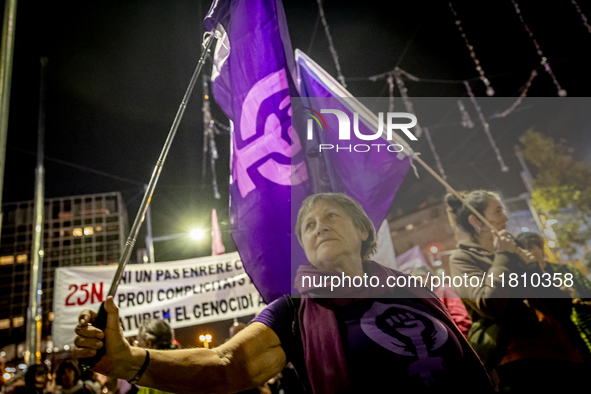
(272, 172)
(252, 82)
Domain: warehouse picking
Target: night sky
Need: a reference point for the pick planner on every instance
(117, 72)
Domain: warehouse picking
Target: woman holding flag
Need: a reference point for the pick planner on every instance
(360, 339)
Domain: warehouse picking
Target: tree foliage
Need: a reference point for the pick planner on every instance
(562, 188)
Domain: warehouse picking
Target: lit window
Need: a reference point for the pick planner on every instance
(50, 316)
(88, 231)
(99, 228)
(21, 258)
(409, 227)
(77, 232)
(4, 324)
(6, 260)
(18, 321)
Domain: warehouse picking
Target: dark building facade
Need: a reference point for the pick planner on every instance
(78, 231)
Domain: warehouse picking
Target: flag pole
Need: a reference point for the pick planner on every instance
(6, 56)
(100, 320)
(34, 312)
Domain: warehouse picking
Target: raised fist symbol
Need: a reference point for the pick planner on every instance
(406, 324)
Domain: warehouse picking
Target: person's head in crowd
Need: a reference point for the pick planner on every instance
(156, 334)
(236, 328)
(67, 374)
(532, 242)
(36, 377)
(335, 232)
(487, 203)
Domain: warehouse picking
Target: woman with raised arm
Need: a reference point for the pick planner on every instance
(369, 338)
(515, 330)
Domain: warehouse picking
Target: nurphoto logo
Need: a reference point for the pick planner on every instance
(392, 124)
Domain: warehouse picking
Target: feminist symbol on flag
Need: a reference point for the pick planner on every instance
(271, 141)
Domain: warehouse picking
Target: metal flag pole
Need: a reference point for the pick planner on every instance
(34, 313)
(6, 55)
(149, 237)
(100, 320)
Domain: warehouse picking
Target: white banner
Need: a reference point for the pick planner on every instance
(185, 293)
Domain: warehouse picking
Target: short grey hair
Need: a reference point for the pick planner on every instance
(159, 332)
(352, 208)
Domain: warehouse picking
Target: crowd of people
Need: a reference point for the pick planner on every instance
(66, 379)
(485, 338)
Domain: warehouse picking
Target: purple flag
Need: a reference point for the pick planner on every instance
(369, 173)
(252, 82)
(272, 172)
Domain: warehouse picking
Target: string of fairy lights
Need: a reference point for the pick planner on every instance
(544, 60)
(211, 128)
(395, 80)
(397, 73)
(489, 89)
(583, 17)
(331, 47)
(486, 128)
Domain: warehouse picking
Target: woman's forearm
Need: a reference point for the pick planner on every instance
(246, 361)
(184, 371)
(249, 359)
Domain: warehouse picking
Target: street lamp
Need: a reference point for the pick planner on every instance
(194, 234)
(206, 339)
(197, 233)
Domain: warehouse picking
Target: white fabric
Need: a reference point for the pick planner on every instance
(193, 291)
(385, 254)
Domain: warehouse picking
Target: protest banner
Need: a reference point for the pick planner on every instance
(185, 293)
